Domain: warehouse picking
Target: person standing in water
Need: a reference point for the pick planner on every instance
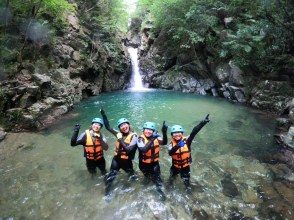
(94, 144)
(125, 149)
(149, 147)
(180, 151)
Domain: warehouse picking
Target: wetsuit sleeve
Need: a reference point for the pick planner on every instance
(103, 143)
(195, 130)
(163, 140)
(75, 140)
(144, 147)
(129, 147)
(172, 150)
(107, 125)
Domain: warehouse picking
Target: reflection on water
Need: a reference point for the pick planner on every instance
(46, 178)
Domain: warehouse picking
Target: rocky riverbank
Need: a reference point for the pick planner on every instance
(80, 61)
(193, 71)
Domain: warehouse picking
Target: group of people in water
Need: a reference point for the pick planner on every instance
(126, 144)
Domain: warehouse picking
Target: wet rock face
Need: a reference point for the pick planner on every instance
(231, 80)
(271, 95)
(285, 128)
(74, 68)
(183, 82)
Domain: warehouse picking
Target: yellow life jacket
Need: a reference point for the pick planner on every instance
(152, 155)
(119, 151)
(181, 158)
(93, 147)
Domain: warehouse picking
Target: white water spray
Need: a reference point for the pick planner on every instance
(136, 83)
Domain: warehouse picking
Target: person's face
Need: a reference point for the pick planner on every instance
(124, 127)
(148, 132)
(177, 136)
(96, 127)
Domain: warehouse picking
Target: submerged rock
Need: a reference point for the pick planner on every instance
(250, 196)
(201, 215)
(229, 188)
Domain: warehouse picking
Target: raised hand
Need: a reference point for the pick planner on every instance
(102, 111)
(181, 143)
(77, 127)
(119, 135)
(164, 127)
(206, 120)
(155, 135)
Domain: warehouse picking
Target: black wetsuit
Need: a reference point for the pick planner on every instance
(117, 162)
(91, 164)
(150, 170)
(184, 172)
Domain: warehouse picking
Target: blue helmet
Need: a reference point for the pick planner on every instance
(149, 125)
(176, 128)
(122, 120)
(98, 120)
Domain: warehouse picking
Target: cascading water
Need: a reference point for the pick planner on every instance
(136, 83)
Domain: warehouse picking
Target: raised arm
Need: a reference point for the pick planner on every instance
(106, 123)
(75, 140)
(164, 135)
(196, 129)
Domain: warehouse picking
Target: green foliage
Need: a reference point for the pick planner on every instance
(255, 34)
(53, 7)
(38, 8)
(111, 15)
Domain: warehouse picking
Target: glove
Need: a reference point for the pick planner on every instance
(164, 127)
(76, 127)
(119, 135)
(206, 120)
(155, 135)
(181, 143)
(96, 135)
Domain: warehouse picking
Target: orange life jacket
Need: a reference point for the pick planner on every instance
(152, 155)
(93, 147)
(119, 150)
(181, 158)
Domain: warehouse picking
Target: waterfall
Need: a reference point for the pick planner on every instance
(136, 82)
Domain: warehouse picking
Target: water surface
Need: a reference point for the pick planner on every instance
(46, 178)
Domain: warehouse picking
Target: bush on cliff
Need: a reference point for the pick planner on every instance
(258, 35)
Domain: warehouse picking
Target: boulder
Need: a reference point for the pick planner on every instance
(236, 73)
(2, 134)
(42, 79)
(290, 108)
(222, 73)
(76, 55)
(27, 100)
(286, 139)
(271, 95)
(73, 21)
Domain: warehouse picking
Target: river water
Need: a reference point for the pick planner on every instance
(42, 177)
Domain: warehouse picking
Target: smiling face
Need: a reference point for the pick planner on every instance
(177, 136)
(148, 132)
(124, 128)
(96, 127)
